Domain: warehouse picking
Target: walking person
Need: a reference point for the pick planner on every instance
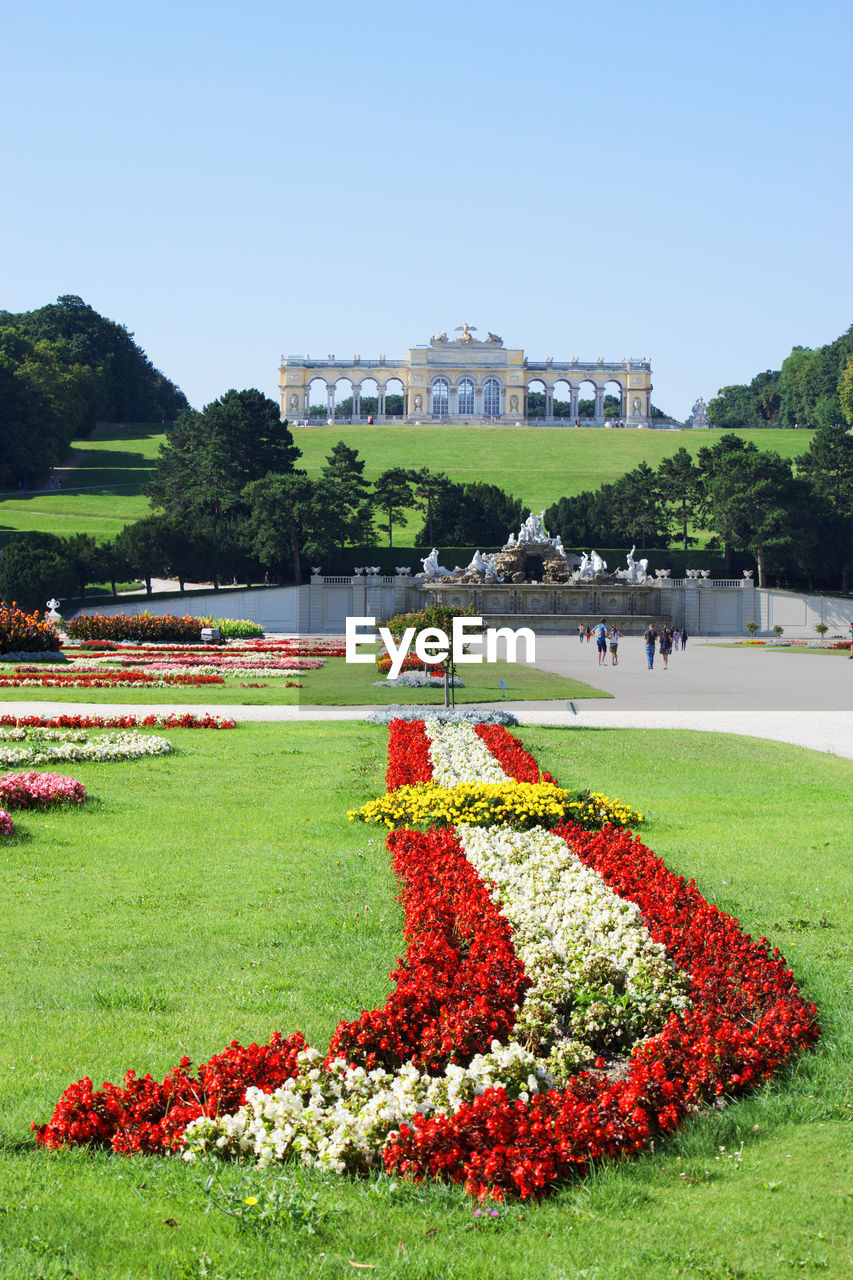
(683, 638)
(615, 633)
(665, 646)
(650, 637)
(601, 642)
(588, 634)
(676, 639)
(581, 632)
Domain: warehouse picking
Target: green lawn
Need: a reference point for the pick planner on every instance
(337, 684)
(221, 893)
(119, 454)
(537, 464)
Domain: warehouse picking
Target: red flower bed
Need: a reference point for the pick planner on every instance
(509, 752)
(747, 1018)
(186, 721)
(28, 676)
(147, 1116)
(408, 754)
(460, 981)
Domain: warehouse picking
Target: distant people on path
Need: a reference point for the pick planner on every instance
(588, 634)
(850, 654)
(267, 578)
(665, 646)
(614, 636)
(650, 638)
(684, 637)
(676, 639)
(581, 633)
(601, 641)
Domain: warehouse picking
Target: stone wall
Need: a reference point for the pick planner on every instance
(705, 606)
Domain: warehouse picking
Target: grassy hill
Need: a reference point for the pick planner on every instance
(102, 485)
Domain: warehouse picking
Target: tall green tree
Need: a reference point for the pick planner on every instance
(349, 510)
(210, 457)
(680, 486)
(287, 521)
(426, 485)
(465, 515)
(756, 501)
(392, 493)
(827, 465)
(638, 507)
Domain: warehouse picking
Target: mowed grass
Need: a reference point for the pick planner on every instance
(539, 465)
(100, 494)
(337, 684)
(221, 892)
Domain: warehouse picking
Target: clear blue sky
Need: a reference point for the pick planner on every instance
(236, 181)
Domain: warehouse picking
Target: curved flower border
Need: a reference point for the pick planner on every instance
(745, 1019)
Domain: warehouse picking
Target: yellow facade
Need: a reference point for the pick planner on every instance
(467, 380)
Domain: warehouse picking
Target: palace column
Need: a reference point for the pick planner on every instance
(380, 401)
(573, 404)
(356, 401)
(330, 401)
(549, 403)
(599, 404)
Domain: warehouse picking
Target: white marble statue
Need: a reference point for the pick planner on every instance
(432, 569)
(637, 570)
(591, 566)
(53, 608)
(478, 564)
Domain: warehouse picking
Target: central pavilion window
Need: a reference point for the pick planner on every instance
(441, 396)
(492, 398)
(466, 395)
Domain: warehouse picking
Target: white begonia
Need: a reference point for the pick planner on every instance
(596, 975)
(43, 746)
(458, 754)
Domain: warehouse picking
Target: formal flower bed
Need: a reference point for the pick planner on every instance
(520, 805)
(528, 953)
(133, 626)
(35, 791)
(46, 746)
(29, 677)
(171, 721)
(22, 632)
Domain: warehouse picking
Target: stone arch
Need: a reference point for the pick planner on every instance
(367, 397)
(563, 400)
(317, 397)
(394, 397)
(589, 395)
(536, 395)
(614, 390)
(343, 403)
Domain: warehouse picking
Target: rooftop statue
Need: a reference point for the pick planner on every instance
(466, 330)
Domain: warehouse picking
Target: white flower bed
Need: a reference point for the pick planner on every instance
(50, 746)
(473, 713)
(340, 1118)
(598, 979)
(459, 755)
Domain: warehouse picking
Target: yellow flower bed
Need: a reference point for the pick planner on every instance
(518, 804)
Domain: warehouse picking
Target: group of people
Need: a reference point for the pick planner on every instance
(668, 640)
(604, 636)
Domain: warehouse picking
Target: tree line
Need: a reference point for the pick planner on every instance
(231, 504)
(814, 388)
(796, 519)
(63, 368)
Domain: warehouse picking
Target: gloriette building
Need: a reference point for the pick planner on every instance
(465, 379)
